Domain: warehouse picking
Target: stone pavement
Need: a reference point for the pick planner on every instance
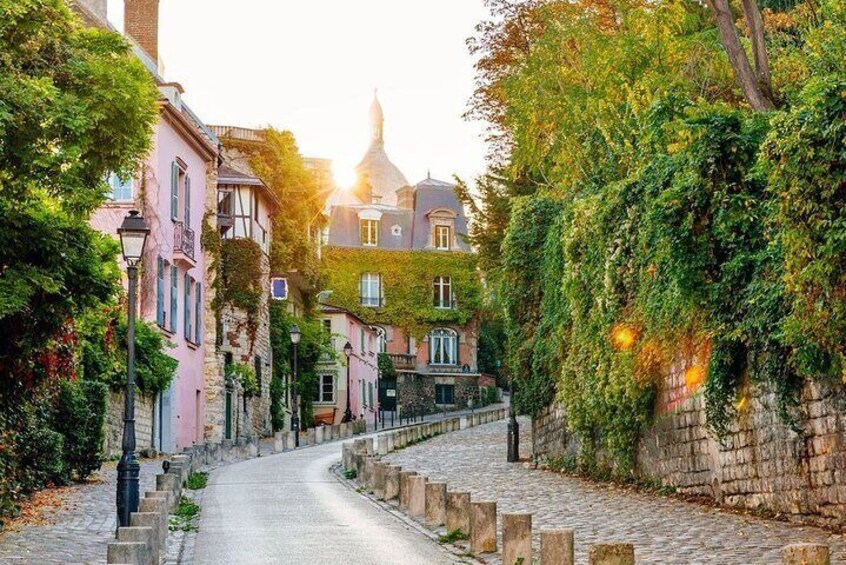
(78, 531)
(663, 530)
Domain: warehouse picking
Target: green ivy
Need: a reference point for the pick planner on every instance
(245, 375)
(407, 279)
(241, 279)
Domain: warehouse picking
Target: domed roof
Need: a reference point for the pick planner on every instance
(384, 177)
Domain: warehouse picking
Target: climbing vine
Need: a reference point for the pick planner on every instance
(241, 279)
(407, 279)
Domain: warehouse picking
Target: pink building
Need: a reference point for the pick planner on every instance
(173, 191)
(331, 403)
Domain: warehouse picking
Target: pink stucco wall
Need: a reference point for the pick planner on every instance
(186, 414)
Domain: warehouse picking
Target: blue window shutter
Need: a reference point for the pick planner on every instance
(160, 289)
(174, 296)
(198, 297)
(186, 324)
(174, 191)
(187, 202)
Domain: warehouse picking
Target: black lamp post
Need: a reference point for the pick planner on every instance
(348, 349)
(133, 238)
(295, 411)
(513, 439)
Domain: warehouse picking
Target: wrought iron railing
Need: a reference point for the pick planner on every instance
(183, 239)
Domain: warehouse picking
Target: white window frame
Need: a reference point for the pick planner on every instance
(117, 184)
(332, 388)
(381, 339)
(368, 283)
(443, 233)
(443, 292)
(443, 347)
(369, 230)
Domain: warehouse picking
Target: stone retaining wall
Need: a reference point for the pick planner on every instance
(144, 410)
(761, 464)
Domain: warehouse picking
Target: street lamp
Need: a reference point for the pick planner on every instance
(133, 238)
(513, 428)
(295, 412)
(348, 349)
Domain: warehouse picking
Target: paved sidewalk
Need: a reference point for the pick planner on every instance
(663, 530)
(79, 531)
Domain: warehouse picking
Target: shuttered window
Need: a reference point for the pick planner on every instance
(174, 296)
(187, 324)
(187, 202)
(174, 191)
(198, 309)
(160, 292)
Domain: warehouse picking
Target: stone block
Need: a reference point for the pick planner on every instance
(516, 539)
(228, 451)
(253, 447)
(556, 547)
(156, 506)
(346, 456)
(382, 444)
(378, 479)
(172, 485)
(389, 441)
(128, 553)
(611, 554)
(368, 444)
(806, 554)
(318, 435)
(436, 504)
(212, 453)
(405, 488)
(278, 442)
(463, 423)
(151, 520)
(311, 436)
(144, 535)
(483, 527)
(417, 496)
(290, 441)
(392, 481)
(241, 450)
(336, 431)
(458, 512)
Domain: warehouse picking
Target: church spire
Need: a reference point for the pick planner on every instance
(377, 118)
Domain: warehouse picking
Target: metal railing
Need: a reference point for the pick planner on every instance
(183, 239)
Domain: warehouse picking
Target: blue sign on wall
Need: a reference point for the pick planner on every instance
(279, 288)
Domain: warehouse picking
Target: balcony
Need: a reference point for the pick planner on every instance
(403, 361)
(183, 244)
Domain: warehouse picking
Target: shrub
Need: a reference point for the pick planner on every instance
(80, 414)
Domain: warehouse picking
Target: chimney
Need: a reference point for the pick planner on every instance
(405, 198)
(141, 23)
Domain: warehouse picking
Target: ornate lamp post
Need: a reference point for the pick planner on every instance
(348, 349)
(133, 238)
(295, 411)
(513, 427)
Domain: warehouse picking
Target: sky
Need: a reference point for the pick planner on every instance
(311, 66)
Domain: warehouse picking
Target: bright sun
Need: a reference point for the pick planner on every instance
(344, 178)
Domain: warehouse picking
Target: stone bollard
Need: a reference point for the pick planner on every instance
(611, 554)
(311, 436)
(153, 521)
(436, 504)
(241, 450)
(227, 451)
(366, 472)
(128, 552)
(346, 456)
(392, 487)
(318, 435)
(483, 527)
(463, 423)
(516, 538)
(556, 547)
(405, 488)
(378, 479)
(278, 442)
(142, 535)
(289, 440)
(170, 484)
(212, 453)
(368, 446)
(806, 554)
(390, 442)
(252, 447)
(156, 506)
(417, 496)
(458, 512)
(381, 445)
(336, 431)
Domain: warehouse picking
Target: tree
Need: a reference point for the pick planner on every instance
(75, 105)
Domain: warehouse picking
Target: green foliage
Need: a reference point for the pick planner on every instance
(185, 517)
(245, 375)
(350, 474)
(197, 481)
(240, 279)
(453, 536)
(487, 396)
(407, 278)
(81, 416)
(314, 344)
(386, 366)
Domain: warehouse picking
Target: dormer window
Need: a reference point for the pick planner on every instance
(370, 233)
(443, 238)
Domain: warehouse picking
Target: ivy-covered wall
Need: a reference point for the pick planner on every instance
(407, 279)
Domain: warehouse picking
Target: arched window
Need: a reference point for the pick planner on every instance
(442, 288)
(443, 347)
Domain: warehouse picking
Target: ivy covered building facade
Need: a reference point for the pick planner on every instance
(394, 255)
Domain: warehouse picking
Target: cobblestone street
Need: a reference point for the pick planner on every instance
(662, 530)
(78, 531)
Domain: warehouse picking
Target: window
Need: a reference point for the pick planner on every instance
(327, 326)
(443, 237)
(187, 324)
(187, 202)
(381, 339)
(160, 292)
(443, 292)
(361, 339)
(121, 188)
(370, 395)
(444, 394)
(327, 389)
(370, 232)
(371, 289)
(174, 296)
(363, 398)
(443, 347)
(198, 306)
(175, 174)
